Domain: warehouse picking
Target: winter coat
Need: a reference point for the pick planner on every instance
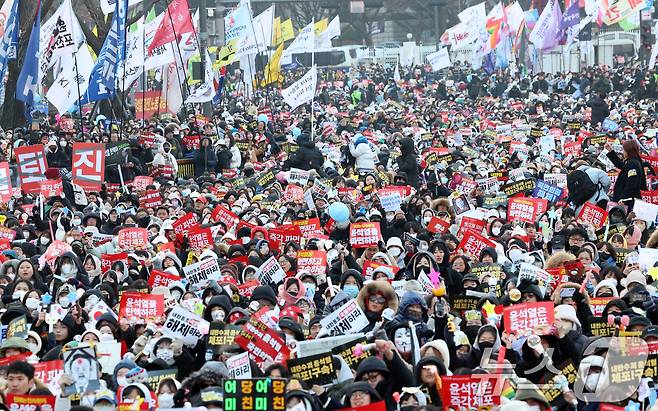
(407, 162)
(375, 287)
(600, 109)
(597, 176)
(631, 179)
(205, 159)
(165, 159)
(364, 155)
(308, 156)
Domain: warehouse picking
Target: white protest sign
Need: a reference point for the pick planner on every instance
(556, 179)
(399, 287)
(532, 272)
(489, 185)
(348, 319)
(108, 354)
(270, 272)
(648, 257)
(185, 326)
(391, 202)
(308, 199)
(302, 91)
(547, 143)
(239, 366)
(323, 345)
(439, 60)
(299, 177)
(645, 211)
(199, 273)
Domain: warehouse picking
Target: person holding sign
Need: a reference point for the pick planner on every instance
(631, 179)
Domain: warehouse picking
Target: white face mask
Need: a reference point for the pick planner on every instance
(33, 348)
(515, 255)
(122, 381)
(402, 339)
(395, 252)
(32, 303)
(76, 222)
(166, 355)
(495, 231)
(166, 400)
(426, 219)
(218, 315)
(106, 337)
(18, 295)
(69, 270)
(591, 381)
(64, 302)
(44, 240)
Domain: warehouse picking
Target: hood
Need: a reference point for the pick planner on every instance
(222, 301)
(382, 287)
(416, 258)
(431, 360)
(487, 327)
(411, 298)
(442, 347)
(97, 263)
(407, 146)
(289, 298)
(556, 297)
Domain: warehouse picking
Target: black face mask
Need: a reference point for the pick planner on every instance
(485, 344)
(471, 332)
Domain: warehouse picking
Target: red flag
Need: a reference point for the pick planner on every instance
(177, 13)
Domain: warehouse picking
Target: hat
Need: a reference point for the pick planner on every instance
(105, 395)
(91, 229)
(13, 342)
(558, 243)
(394, 242)
(634, 276)
(566, 312)
(264, 292)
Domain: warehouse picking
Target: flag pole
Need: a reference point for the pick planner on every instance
(144, 76)
(313, 96)
(123, 61)
(180, 55)
(77, 83)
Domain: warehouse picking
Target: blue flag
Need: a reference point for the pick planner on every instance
(8, 43)
(102, 82)
(28, 80)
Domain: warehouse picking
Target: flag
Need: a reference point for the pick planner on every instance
(102, 83)
(302, 91)
(396, 73)
(263, 22)
(569, 24)
(60, 36)
(238, 23)
(531, 17)
(171, 87)
(205, 91)
(28, 82)
(217, 99)
(134, 63)
(177, 12)
(287, 32)
(614, 11)
(496, 25)
(546, 34)
(321, 26)
(63, 93)
(304, 42)
(227, 53)
(272, 70)
(9, 39)
(631, 22)
(324, 39)
(159, 56)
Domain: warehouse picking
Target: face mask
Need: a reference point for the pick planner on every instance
(166, 355)
(444, 180)
(32, 303)
(515, 255)
(390, 217)
(591, 381)
(26, 234)
(44, 240)
(245, 240)
(64, 302)
(18, 295)
(415, 316)
(76, 222)
(175, 294)
(395, 252)
(351, 289)
(485, 344)
(218, 315)
(104, 408)
(495, 231)
(107, 337)
(426, 220)
(402, 339)
(122, 381)
(33, 348)
(62, 143)
(69, 270)
(90, 302)
(166, 400)
(423, 246)
(206, 300)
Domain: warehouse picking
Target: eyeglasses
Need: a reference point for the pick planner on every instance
(358, 394)
(369, 377)
(377, 299)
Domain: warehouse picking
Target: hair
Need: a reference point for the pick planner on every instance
(631, 148)
(467, 265)
(282, 369)
(21, 367)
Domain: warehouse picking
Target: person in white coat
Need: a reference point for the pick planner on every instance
(363, 153)
(164, 158)
(602, 180)
(236, 155)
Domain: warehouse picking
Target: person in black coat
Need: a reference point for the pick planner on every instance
(308, 156)
(599, 107)
(407, 162)
(205, 159)
(631, 179)
(57, 157)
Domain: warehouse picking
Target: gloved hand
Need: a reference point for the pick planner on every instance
(177, 347)
(139, 344)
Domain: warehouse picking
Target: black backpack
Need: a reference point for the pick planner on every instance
(581, 187)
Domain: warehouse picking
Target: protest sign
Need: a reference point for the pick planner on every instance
(521, 209)
(348, 319)
(133, 238)
(161, 279)
(247, 288)
(30, 402)
(49, 372)
(107, 260)
(439, 60)
(521, 318)
(470, 224)
(154, 377)
(141, 182)
(464, 302)
(312, 261)
(186, 326)
(265, 344)
(139, 307)
(5, 182)
(263, 393)
(293, 193)
(651, 366)
(315, 369)
(598, 304)
(473, 244)
(32, 165)
(438, 225)
(88, 160)
(238, 366)
(198, 274)
(370, 266)
(52, 188)
(516, 187)
(532, 272)
(108, 354)
(309, 227)
(150, 199)
(184, 224)
(270, 272)
(18, 327)
(364, 234)
(297, 176)
(81, 364)
(200, 238)
(645, 211)
(346, 351)
(221, 335)
(221, 214)
(284, 234)
(649, 196)
(391, 201)
(550, 192)
(468, 392)
(594, 215)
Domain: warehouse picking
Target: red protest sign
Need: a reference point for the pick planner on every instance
(650, 196)
(184, 224)
(200, 238)
(147, 103)
(5, 182)
(5, 245)
(470, 224)
(438, 225)
(108, 259)
(141, 182)
(248, 288)
(88, 165)
(30, 402)
(473, 244)
(192, 141)
(370, 266)
(283, 234)
(574, 148)
(598, 304)
(313, 261)
(309, 227)
(364, 234)
(32, 165)
(54, 250)
(52, 188)
(225, 216)
(142, 306)
(151, 199)
(7, 233)
(594, 215)
(49, 372)
(161, 279)
(466, 392)
(293, 193)
(264, 344)
(520, 318)
(521, 209)
(133, 238)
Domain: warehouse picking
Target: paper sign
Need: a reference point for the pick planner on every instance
(107, 260)
(313, 261)
(645, 211)
(346, 350)
(30, 402)
(520, 318)
(470, 224)
(283, 234)
(238, 366)
(315, 369)
(150, 199)
(265, 344)
(521, 209)
(88, 161)
(473, 244)
(108, 354)
(438, 225)
(200, 238)
(467, 392)
(364, 234)
(309, 227)
(369, 266)
(297, 176)
(49, 372)
(198, 274)
(516, 187)
(32, 165)
(185, 325)
(161, 279)
(391, 202)
(141, 307)
(532, 272)
(348, 319)
(5, 182)
(594, 215)
(183, 225)
(141, 182)
(598, 304)
(270, 272)
(225, 216)
(153, 378)
(18, 327)
(548, 191)
(133, 238)
(52, 188)
(222, 335)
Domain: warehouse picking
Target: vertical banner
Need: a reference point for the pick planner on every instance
(32, 165)
(5, 182)
(88, 165)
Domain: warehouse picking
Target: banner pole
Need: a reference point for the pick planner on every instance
(144, 76)
(123, 62)
(180, 55)
(313, 97)
(77, 83)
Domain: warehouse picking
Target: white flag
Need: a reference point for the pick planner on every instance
(302, 91)
(63, 93)
(171, 87)
(108, 5)
(396, 74)
(474, 14)
(206, 90)
(439, 60)
(323, 40)
(304, 41)
(60, 35)
(134, 63)
(263, 27)
(159, 56)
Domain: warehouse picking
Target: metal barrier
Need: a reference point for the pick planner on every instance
(185, 168)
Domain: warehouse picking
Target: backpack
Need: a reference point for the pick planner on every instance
(581, 187)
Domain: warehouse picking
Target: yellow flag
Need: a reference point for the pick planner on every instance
(273, 68)
(227, 53)
(277, 37)
(287, 32)
(321, 26)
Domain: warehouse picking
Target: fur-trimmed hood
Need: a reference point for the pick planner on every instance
(381, 287)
